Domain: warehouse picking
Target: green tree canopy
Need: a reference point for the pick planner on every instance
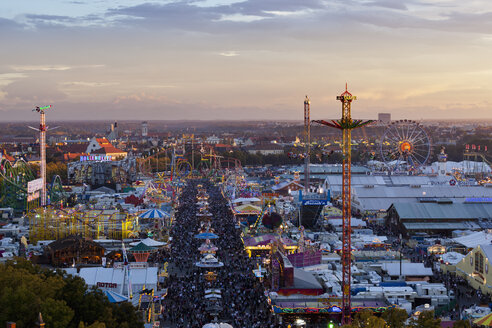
(462, 324)
(395, 318)
(425, 320)
(64, 300)
(366, 319)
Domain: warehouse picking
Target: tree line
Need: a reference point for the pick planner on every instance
(64, 300)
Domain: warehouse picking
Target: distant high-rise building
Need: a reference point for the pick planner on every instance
(113, 133)
(145, 130)
(384, 118)
(441, 165)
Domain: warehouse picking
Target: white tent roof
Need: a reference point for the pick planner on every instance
(452, 258)
(149, 242)
(217, 325)
(246, 200)
(146, 276)
(407, 269)
(474, 239)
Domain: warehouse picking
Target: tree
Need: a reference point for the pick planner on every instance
(425, 320)
(395, 317)
(63, 300)
(366, 319)
(462, 324)
(23, 294)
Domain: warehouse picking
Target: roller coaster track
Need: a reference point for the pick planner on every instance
(475, 170)
(13, 186)
(476, 154)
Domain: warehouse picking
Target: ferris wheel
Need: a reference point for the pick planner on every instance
(405, 144)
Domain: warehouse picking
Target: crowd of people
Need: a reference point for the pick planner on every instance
(243, 302)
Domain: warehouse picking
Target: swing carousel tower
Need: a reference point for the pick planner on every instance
(346, 124)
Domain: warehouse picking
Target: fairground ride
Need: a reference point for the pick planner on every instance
(42, 148)
(13, 185)
(208, 166)
(52, 224)
(57, 196)
(153, 163)
(405, 146)
(98, 173)
(477, 165)
(181, 169)
(346, 124)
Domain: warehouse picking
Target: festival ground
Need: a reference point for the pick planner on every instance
(241, 299)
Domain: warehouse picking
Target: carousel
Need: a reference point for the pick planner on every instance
(207, 247)
(202, 195)
(209, 261)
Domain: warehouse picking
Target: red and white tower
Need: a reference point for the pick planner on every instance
(42, 149)
(307, 142)
(346, 124)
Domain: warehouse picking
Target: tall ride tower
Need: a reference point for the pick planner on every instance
(346, 124)
(42, 149)
(307, 142)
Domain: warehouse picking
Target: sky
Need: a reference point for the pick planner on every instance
(245, 59)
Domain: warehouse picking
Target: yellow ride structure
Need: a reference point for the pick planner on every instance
(53, 224)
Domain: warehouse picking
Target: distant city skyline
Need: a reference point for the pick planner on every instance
(245, 59)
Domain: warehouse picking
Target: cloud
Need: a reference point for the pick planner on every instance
(400, 5)
(89, 84)
(229, 53)
(214, 3)
(9, 24)
(160, 86)
(240, 18)
(139, 98)
(24, 68)
(7, 78)
(173, 51)
(33, 90)
(190, 16)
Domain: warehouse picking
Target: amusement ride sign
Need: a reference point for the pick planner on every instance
(33, 189)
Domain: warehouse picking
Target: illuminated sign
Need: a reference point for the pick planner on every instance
(107, 284)
(34, 188)
(346, 97)
(478, 200)
(35, 185)
(99, 158)
(315, 202)
(270, 194)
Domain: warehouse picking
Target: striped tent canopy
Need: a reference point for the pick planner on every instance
(485, 321)
(206, 235)
(154, 214)
(115, 297)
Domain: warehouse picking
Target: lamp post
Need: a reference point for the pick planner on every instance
(401, 246)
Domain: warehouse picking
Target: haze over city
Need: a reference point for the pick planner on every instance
(252, 59)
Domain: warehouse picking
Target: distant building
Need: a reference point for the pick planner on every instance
(102, 146)
(223, 147)
(384, 118)
(266, 149)
(438, 218)
(113, 133)
(475, 268)
(145, 129)
(213, 140)
(286, 187)
(4, 155)
(74, 248)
